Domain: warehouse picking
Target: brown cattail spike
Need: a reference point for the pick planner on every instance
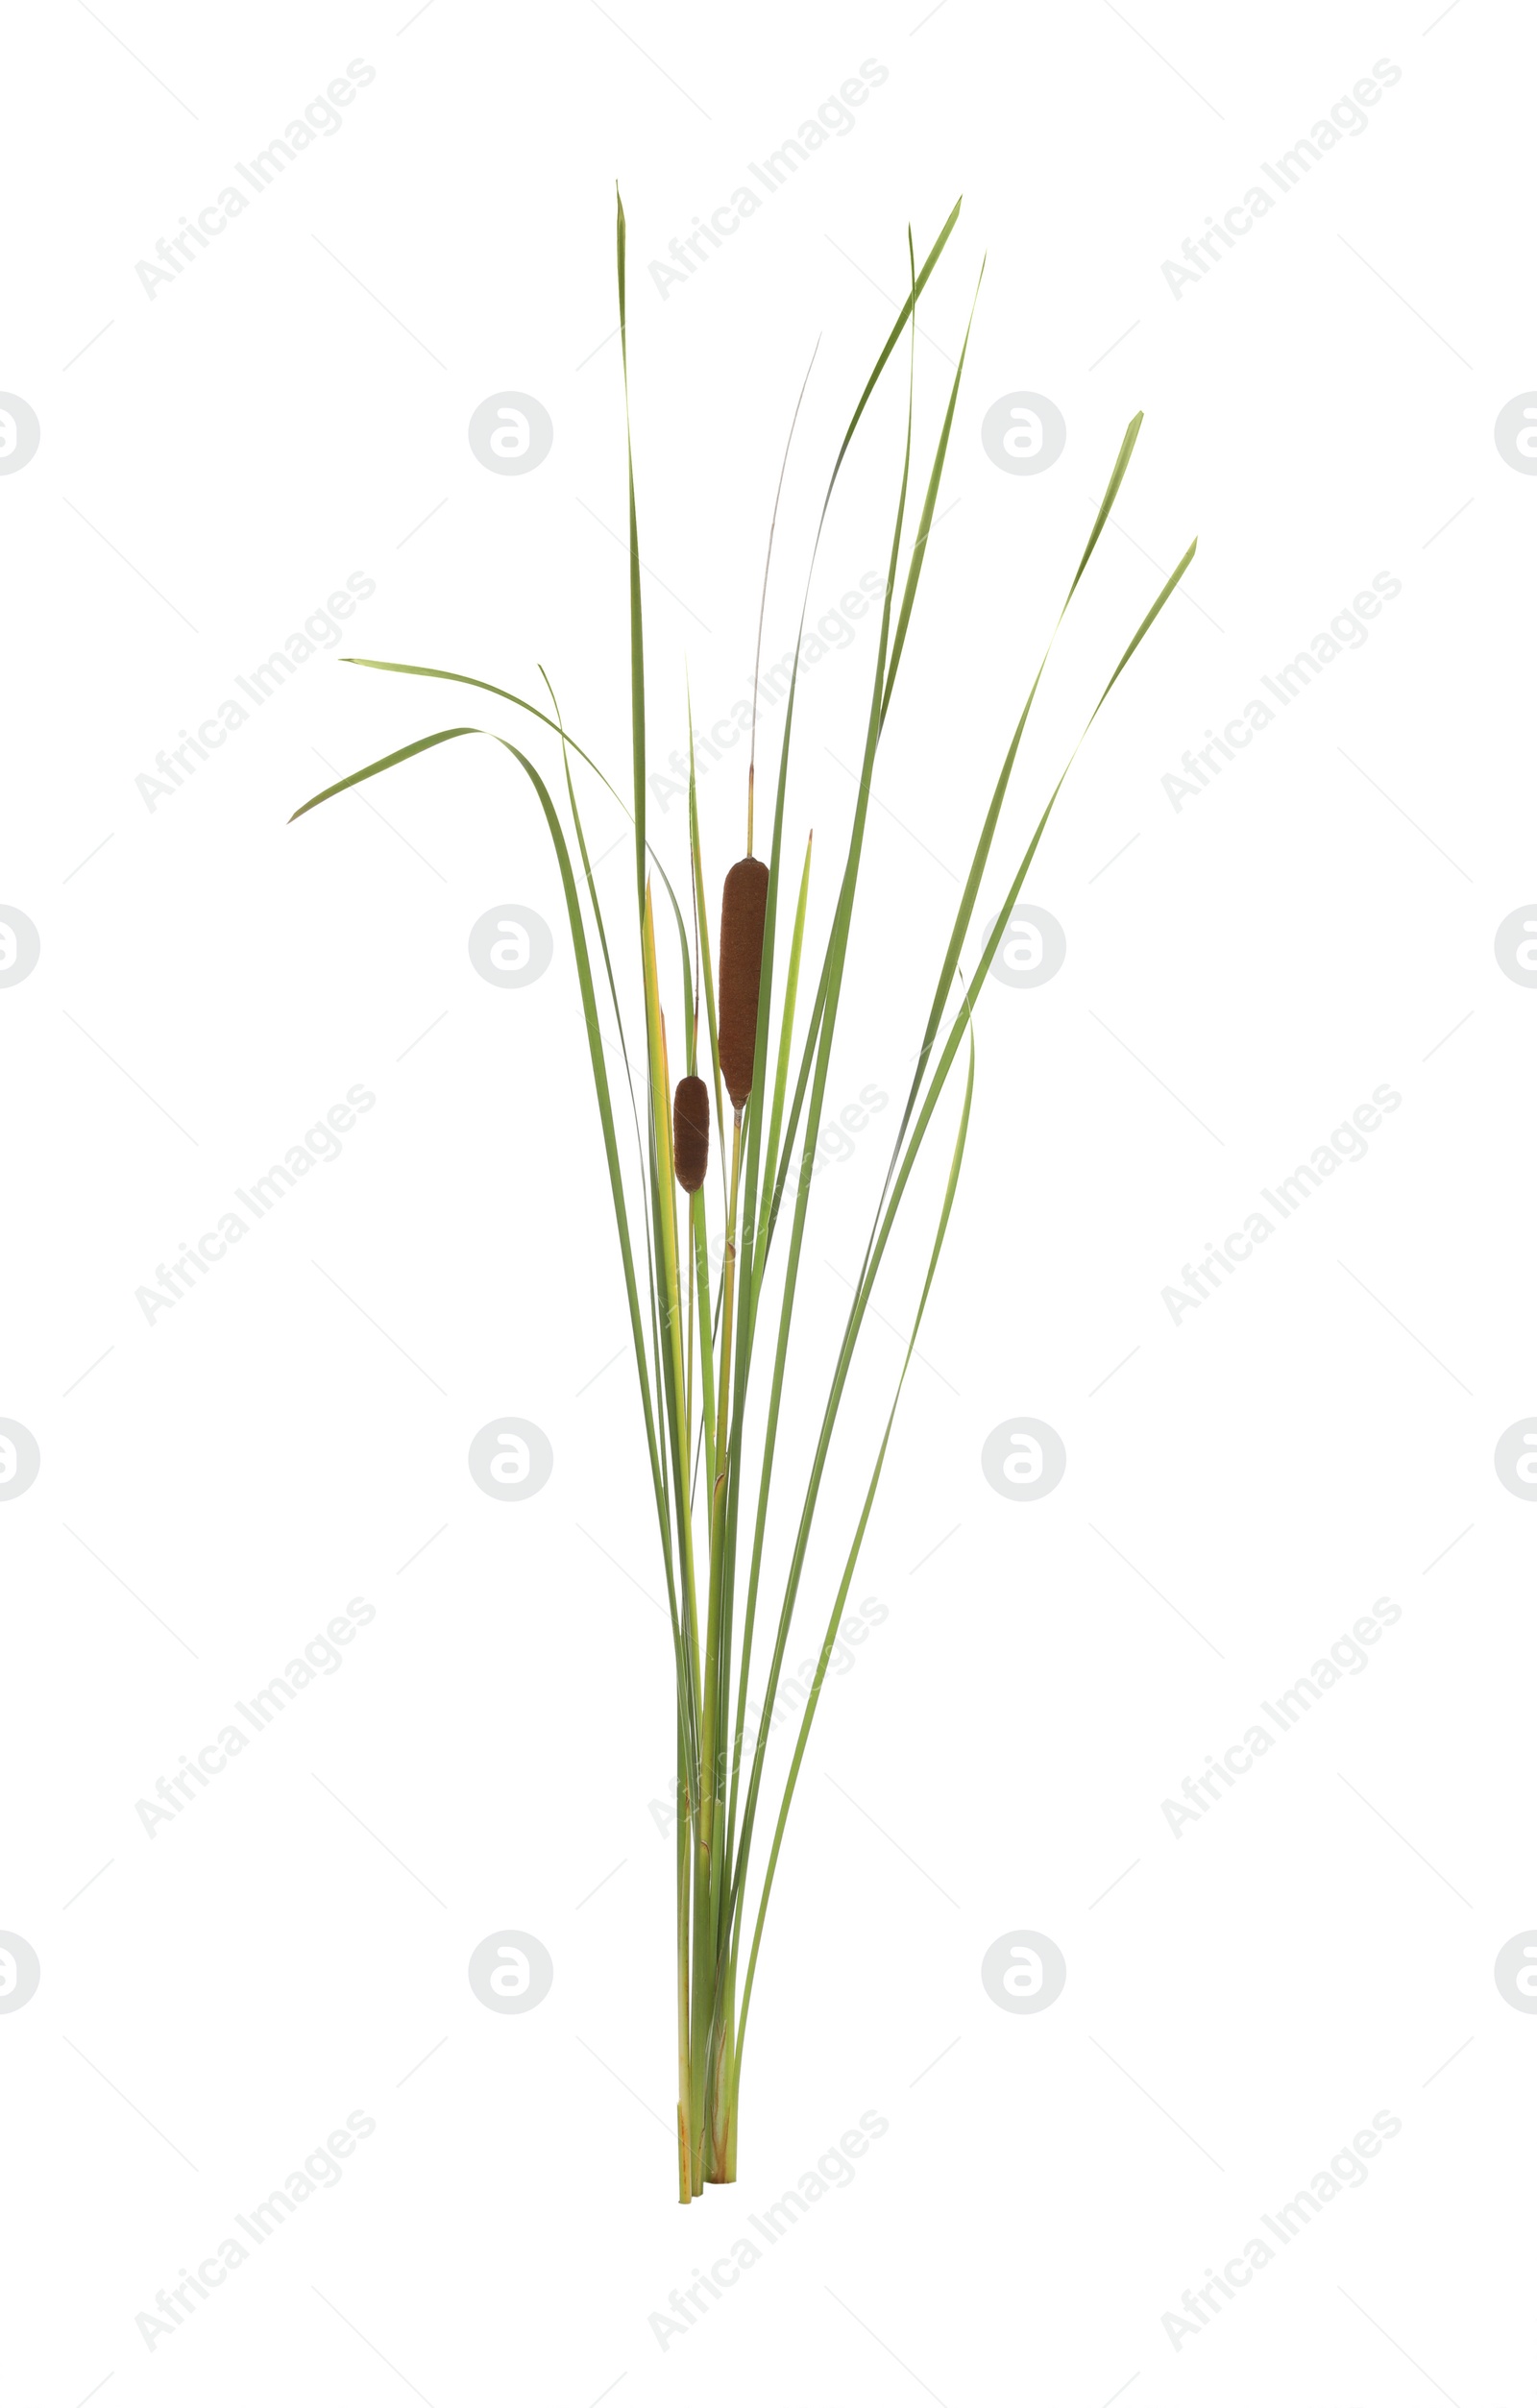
(690, 1133)
(742, 905)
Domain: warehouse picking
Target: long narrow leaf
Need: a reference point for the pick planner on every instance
(833, 972)
(456, 677)
(984, 844)
(844, 1586)
(619, 1018)
(377, 768)
(747, 1319)
(787, 1020)
(920, 542)
(687, 1688)
(637, 646)
(878, 1247)
(702, 909)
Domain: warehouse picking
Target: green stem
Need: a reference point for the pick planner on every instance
(707, 1853)
(701, 1270)
(685, 2085)
(709, 1701)
(721, 2158)
(688, 1323)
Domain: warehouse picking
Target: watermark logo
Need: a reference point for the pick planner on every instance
(834, 1143)
(19, 433)
(688, 252)
(1515, 433)
(1345, 1144)
(19, 946)
(320, 1144)
(1346, 1656)
(1515, 1459)
(19, 1460)
(19, 1972)
(1346, 2171)
(322, 119)
(321, 2170)
(1347, 119)
(1346, 632)
(1023, 1459)
(834, 2171)
(789, 1699)
(511, 945)
(1024, 433)
(511, 1971)
(1024, 1973)
(833, 632)
(1515, 942)
(1033, 949)
(250, 1717)
(510, 1459)
(510, 433)
(322, 631)
(1515, 1972)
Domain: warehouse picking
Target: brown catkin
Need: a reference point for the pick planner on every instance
(690, 1133)
(742, 905)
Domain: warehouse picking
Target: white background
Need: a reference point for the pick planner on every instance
(1240, 975)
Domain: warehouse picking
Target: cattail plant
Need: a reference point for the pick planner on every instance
(691, 1132)
(702, 1346)
(743, 903)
